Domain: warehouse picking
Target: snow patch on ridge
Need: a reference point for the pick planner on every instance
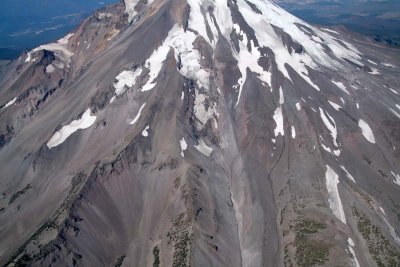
(248, 60)
(59, 48)
(335, 203)
(126, 78)
(60, 136)
(130, 6)
(182, 43)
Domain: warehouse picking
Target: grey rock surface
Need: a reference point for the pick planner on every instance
(200, 133)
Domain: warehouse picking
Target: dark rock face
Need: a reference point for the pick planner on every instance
(200, 133)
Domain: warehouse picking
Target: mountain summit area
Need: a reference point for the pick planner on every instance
(201, 133)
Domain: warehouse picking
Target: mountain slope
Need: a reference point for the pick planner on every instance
(203, 133)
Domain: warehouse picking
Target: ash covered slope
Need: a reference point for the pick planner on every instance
(205, 133)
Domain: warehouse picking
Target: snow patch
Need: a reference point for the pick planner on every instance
(366, 131)
(278, 117)
(341, 87)
(394, 91)
(126, 78)
(50, 68)
(145, 132)
(9, 103)
(388, 65)
(138, 114)
(335, 203)
(374, 72)
(331, 127)
(60, 136)
(329, 30)
(202, 113)
(59, 48)
(348, 174)
(298, 106)
(248, 60)
(397, 178)
(203, 148)
(182, 43)
(130, 6)
(353, 254)
(395, 113)
(334, 105)
(293, 132)
(183, 146)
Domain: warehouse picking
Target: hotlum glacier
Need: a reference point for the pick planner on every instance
(201, 133)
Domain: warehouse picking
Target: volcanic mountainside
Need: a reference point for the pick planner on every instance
(201, 133)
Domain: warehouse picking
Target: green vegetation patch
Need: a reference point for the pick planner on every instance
(309, 251)
(156, 254)
(180, 236)
(16, 195)
(381, 250)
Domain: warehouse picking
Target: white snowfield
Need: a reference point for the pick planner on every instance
(333, 131)
(126, 78)
(366, 131)
(203, 114)
(394, 91)
(278, 117)
(10, 103)
(308, 36)
(341, 86)
(353, 254)
(348, 174)
(388, 65)
(397, 178)
(335, 203)
(293, 132)
(59, 48)
(130, 8)
(203, 148)
(183, 146)
(60, 136)
(334, 105)
(145, 132)
(138, 114)
(50, 68)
